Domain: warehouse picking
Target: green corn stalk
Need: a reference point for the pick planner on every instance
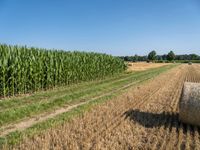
(24, 69)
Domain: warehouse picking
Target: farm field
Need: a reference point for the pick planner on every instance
(144, 116)
(140, 66)
(31, 114)
(99, 75)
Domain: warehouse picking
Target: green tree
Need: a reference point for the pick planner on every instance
(193, 57)
(136, 58)
(152, 56)
(171, 56)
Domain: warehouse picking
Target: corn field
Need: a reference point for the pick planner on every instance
(24, 70)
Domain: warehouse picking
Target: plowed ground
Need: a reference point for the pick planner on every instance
(146, 117)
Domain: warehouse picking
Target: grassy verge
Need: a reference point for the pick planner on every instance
(15, 137)
(41, 95)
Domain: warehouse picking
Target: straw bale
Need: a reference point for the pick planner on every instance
(189, 106)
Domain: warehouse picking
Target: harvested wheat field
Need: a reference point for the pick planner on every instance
(140, 66)
(143, 117)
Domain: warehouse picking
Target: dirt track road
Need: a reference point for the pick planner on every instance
(146, 117)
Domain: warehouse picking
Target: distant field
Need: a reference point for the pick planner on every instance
(141, 66)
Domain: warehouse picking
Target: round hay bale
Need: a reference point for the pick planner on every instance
(189, 106)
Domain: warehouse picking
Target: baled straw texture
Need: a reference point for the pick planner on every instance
(189, 106)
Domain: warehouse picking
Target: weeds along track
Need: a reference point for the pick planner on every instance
(146, 117)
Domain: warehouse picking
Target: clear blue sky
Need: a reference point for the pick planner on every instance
(118, 27)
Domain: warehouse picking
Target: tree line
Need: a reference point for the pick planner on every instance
(152, 56)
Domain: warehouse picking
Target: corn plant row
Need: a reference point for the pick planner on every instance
(24, 70)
